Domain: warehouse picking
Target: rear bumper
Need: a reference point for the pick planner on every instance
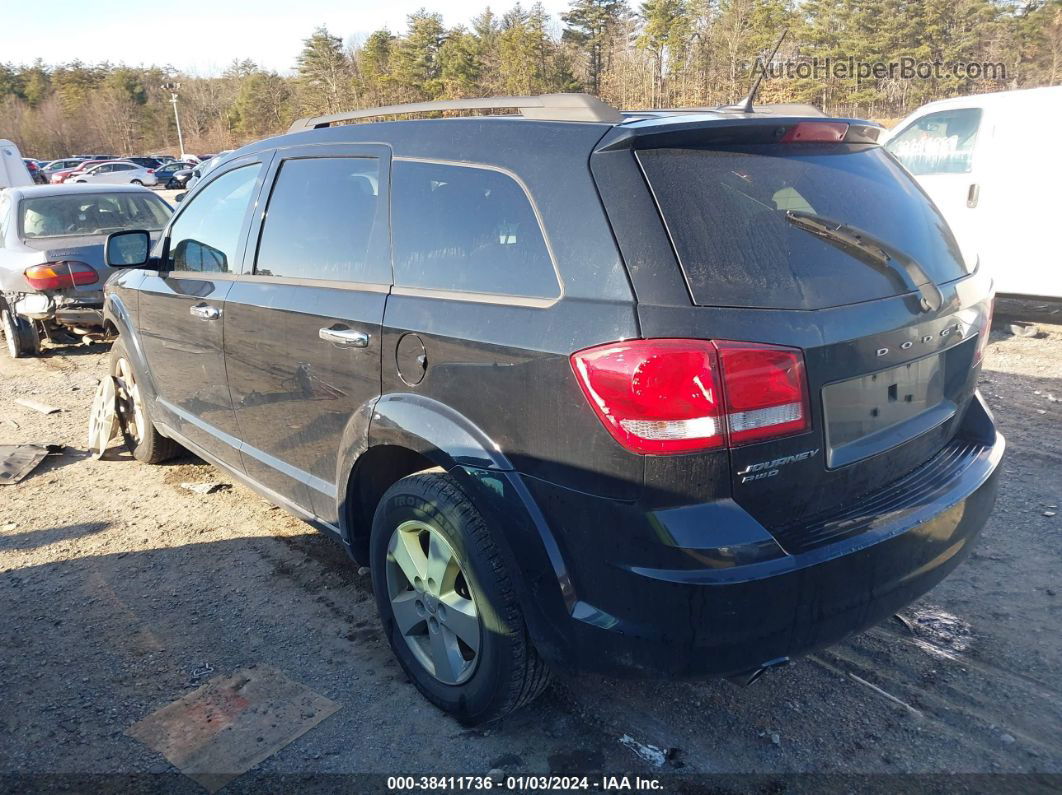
(78, 309)
(727, 609)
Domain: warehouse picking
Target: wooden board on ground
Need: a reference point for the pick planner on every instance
(230, 724)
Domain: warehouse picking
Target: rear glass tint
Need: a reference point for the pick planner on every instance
(320, 218)
(467, 229)
(79, 214)
(725, 209)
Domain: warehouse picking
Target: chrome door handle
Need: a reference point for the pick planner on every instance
(205, 312)
(344, 337)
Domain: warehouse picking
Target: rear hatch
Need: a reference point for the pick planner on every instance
(810, 236)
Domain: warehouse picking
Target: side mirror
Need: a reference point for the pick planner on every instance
(180, 197)
(128, 249)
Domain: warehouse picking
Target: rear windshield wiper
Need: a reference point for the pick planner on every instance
(871, 250)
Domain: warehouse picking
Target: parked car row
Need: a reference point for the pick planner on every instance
(163, 171)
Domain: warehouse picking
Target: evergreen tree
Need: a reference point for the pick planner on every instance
(417, 71)
(592, 27)
(323, 73)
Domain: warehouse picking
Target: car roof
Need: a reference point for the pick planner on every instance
(64, 189)
(1045, 94)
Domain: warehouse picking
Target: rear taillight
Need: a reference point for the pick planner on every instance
(815, 132)
(60, 275)
(151, 171)
(764, 389)
(679, 396)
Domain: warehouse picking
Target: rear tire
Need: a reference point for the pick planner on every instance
(425, 523)
(143, 439)
(136, 182)
(20, 334)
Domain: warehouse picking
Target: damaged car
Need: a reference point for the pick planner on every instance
(51, 257)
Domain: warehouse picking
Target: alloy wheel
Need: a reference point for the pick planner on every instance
(130, 406)
(432, 603)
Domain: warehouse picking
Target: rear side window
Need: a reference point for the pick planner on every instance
(320, 218)
(469, 229)
(939, 143)
(726, 211)
(206, 235)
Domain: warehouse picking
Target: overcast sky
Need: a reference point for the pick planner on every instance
(203, 36)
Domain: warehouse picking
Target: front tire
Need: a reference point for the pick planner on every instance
(143, 439)
(447, 603)
(21, 335)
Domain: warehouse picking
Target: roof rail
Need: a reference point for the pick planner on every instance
(546, 107)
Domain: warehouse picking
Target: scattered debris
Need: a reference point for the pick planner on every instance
(1007, 738)
(937, 631)
(18, 460)
(886, 694)
(203, 671)
(363, 570)
(1049, 514)
(1020, 328)
(776, 738)
(206, 488)
(36, 405)
(649, 753)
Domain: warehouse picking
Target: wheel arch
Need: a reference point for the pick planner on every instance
(395, 436)
(117, 320)
(410, 433)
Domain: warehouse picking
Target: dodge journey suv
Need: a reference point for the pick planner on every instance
(678, 393)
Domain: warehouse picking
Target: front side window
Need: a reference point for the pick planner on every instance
(468, 229)
(205, 236)
(81, 214)
(939, 143)
(320, 219)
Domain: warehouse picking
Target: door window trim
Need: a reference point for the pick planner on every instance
(322, 151)
(263, 161)
(485, 297)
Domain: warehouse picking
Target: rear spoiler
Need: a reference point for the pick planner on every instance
(737, 129)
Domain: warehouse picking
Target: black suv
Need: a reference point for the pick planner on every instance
(672, 393)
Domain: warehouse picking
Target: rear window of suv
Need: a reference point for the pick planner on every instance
(468, 229)
(726, 211)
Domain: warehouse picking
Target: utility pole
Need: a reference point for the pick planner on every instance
(173, 88)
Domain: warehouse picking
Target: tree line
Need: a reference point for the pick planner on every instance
(661, 53)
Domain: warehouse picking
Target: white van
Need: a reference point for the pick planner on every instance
(993, 166)
(13, 171)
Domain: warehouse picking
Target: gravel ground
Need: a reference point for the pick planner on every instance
(121, 591)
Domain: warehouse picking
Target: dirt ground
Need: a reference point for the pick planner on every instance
(121, 591)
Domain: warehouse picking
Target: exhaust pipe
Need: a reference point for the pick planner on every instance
(746, 678)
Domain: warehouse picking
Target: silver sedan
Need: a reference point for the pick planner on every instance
(51, 256)
(117, 172)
